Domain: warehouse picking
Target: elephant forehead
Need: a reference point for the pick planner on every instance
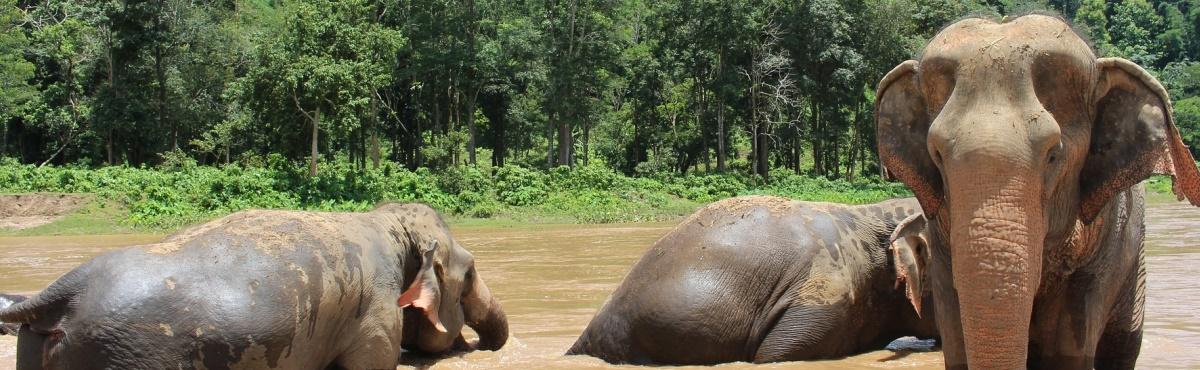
(1021, 41)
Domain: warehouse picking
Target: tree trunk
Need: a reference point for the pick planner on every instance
(587, 134)
(796, 149)
(109, 148)
(470, 122)
(721, 135)
(753, 148)
(374, 144)
(550, 142)
(818, 138)
(564, 144)
(453, 116)
(312, 163)
(160, 74)
(764, 159)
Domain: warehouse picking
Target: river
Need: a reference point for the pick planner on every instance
(551, 279)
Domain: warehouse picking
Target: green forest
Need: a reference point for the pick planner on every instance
(326, 98)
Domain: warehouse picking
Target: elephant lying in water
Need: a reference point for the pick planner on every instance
(765, 279)
(266, 289)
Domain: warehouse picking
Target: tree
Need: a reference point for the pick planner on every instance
(67, 48)
(325, 67)
(580, 43)
(1187, 118)
(1090, 19)
(15, 71)
(1133, 26)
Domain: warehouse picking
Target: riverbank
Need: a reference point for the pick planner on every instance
(121, 200)
(148, 200)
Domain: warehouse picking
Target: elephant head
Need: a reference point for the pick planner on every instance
(1013, 135)
(447, 293)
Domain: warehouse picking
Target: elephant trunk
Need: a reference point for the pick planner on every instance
(997, 232)
(485, 315)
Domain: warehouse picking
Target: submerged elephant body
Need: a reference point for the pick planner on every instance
(1025, 151)
(262, 289)
(760, 279)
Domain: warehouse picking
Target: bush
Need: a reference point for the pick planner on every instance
(184, 193)
(519, 186)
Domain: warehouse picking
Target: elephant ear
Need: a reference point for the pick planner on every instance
(1133, 136)
(908, 244)
(901, 127)
(424, 292)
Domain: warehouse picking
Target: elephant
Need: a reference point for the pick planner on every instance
(761, 279)
(1026, 152)
(266, 289)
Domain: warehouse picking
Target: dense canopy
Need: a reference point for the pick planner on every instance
(641, 86)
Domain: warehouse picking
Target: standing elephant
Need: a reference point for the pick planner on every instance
(1025, 151)
(265, 289)
(760, 279)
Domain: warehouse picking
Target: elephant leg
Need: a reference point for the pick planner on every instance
(372, 352)
(946, 312)
(30, 349)
(369, 359)
(1121, 342)
(1118, 350)
(803, 332)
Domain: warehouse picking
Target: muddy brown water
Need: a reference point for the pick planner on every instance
(551, 279)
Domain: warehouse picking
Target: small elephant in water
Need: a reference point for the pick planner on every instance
(766, 279)
(266, 289)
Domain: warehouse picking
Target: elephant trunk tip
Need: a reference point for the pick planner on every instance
(493, 330)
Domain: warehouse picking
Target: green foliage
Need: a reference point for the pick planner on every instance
(184, 193)
(689, 96)
(1090, 19)
(1187, 118)
(518, 186)
(15, 71)
(1133, 26)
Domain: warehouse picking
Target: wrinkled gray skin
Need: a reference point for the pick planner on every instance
(760, 279)
(264, 290)
(1025, 151)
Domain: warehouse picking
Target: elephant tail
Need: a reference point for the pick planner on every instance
(51, 302)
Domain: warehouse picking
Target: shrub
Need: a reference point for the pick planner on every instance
(519, 186)
(184, 193)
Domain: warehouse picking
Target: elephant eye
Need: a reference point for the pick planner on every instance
(1055, 152)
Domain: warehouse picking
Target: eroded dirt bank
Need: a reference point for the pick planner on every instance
(23, 211)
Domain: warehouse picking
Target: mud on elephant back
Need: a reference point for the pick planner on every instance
(1026, 151)
(765, 279)
(266, 290)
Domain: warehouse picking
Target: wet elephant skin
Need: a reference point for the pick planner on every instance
(254, 290)
(760, 279)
